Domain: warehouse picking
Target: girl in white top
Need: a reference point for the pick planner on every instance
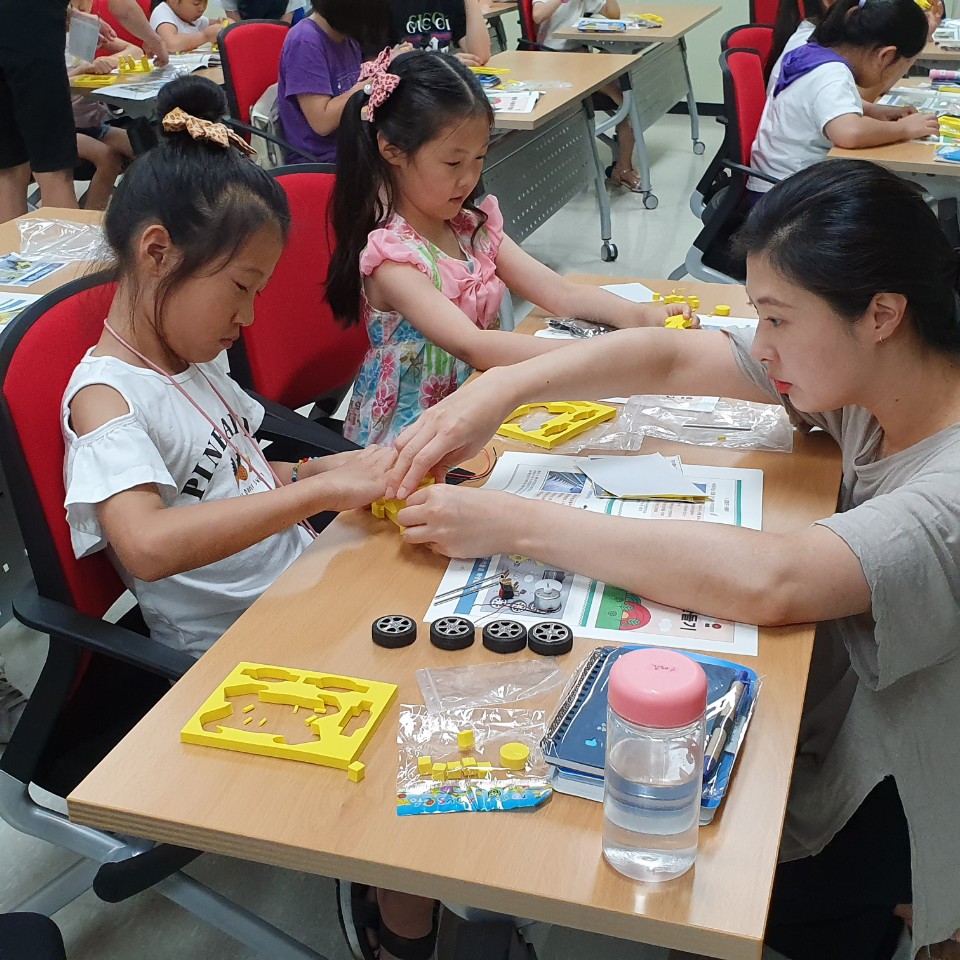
(181, 24)
(162, 469)
(816, 104)
(859, 335)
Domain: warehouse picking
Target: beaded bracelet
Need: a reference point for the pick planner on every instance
(295, 475)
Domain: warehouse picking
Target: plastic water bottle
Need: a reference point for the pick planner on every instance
(654, 764)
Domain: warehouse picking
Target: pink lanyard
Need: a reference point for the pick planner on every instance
(237, 419)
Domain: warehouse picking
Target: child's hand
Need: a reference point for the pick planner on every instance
(656, 314)
(460, 521)
(469, 60)
(919, 125)
(404, 47)
(211, 32)
(888, 112)
(934, 15)
(353, 479)
(104, 65)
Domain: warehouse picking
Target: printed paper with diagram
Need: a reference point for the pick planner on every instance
(525, 589)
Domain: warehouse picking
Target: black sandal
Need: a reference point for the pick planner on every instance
(361, 923)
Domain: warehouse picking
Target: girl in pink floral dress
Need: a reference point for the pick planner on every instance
(433, 265)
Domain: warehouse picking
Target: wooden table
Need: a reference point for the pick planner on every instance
(933, 52)
(138, 109)
(10, 242)
(663, 79)
(545, 865)
(545, 158)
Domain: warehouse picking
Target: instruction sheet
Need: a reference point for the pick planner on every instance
(18, 271)
(525, 589)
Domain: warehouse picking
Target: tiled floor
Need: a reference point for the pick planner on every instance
(652, 243)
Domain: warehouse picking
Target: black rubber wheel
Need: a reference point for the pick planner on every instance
(699, 147)
(551, 638)
(504, 636)
(609, 252)
(452, 633)
(394, 631)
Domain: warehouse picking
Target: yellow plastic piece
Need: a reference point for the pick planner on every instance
(652, 17)
(95, 80)
(490, 71)
(721, 310)
(296, 708)
(674, 298)
(356, 771)
(388, 508)
(439, 771)
(656, 296)
(514, 756)
(424, 765)
(262, 722)
(248, 720)
(678, 323)
(465, 740)
(454, 770)
(367, 699)
(572, 418)
(484, 769)
(469, 766)
(249, 708)
(129, 64)
(694, 303)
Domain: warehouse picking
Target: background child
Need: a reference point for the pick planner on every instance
(816, 103)
(433, 266)
(447, 26)
(160, 459)
(553, 15)
(181, 24)
(319, 72)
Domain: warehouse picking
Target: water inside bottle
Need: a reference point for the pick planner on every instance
(652, 808)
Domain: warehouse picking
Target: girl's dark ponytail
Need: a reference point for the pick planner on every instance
(789, 17)
(435, 90)
(875, 23)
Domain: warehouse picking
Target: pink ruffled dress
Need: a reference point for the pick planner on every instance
(403, 373)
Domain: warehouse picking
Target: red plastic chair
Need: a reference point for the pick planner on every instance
(102, 9)
(724, 199)
(250, 57)
(528, 29)
(763, 11)
(751, 36)
(296, 352)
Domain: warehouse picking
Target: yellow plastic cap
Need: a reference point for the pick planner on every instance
(514, 756)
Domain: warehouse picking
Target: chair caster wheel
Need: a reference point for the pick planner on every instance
(650, 201)
(609, 252)
(698, 147)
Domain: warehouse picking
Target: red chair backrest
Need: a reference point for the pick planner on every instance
(250, 57)
(763, 11)
(751, 36)
(744, 95)
(102, 9)
(38, 354)
(527, 27)
(296, 349)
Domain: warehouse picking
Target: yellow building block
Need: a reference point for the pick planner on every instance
(424, 765)
(514, 756)
(466, 740)
(389, 507)
(248, 720)
(263, 722)
(366, 699)
(694, 303)
(469, 764)
(454, 770)
(439, 771)
(484, 769)
(678, 323)
(721, 310)
(249, 708)
(356, 771)
(571, 418)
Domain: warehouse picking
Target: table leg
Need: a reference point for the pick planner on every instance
(698, 145)
(650, 200)
(499, 32)
(608, 249)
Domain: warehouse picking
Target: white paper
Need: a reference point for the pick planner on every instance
(11, 304)
(593, 609)
(634, 292)
(17, 271)
(523, 102)
(651, 476)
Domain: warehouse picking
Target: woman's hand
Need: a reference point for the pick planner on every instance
(462, 521)
(455, 430)
(345, 481)
(657, 314)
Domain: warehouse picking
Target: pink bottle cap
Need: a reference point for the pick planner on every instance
(657, 688)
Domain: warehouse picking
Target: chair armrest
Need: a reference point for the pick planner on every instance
(100, 636)
(281, 423)
(123, 879)
(273, 138)
(749, 171)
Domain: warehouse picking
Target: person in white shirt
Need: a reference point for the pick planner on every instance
(816, 104)
(553, 15)
(182, 25)
(263, 9)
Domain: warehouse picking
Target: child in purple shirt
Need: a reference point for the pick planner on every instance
(320, 70)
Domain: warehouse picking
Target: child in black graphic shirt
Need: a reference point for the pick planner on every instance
(450, 26)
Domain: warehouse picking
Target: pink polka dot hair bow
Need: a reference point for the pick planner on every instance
(380, 84)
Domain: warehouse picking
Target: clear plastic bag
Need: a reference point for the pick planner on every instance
(517, 86)
(486, 684)
(735, 424)
(62, 240)
(435, 735)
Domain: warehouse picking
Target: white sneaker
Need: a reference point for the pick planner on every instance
(12, 705)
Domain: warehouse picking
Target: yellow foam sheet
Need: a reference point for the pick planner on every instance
(311, 689)
(571, 417)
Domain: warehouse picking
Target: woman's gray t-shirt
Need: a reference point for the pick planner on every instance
(883, 698)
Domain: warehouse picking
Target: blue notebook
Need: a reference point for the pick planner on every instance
(576, 739)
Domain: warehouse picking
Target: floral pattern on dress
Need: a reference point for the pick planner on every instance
(403, 373)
